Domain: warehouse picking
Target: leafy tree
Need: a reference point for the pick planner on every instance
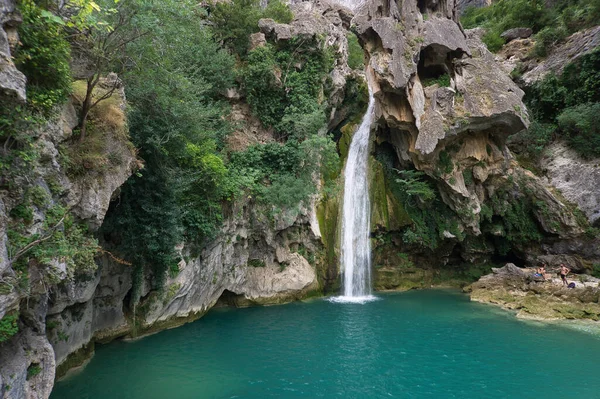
(43, 55)
(100, 38)
(174, 84)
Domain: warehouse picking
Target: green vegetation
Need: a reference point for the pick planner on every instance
(60, 237)
(176, 121)
(176, 60)
(516, 222)
(580, 126)
(429, 215)
(43, 55)
(33, 370)
(442, 81)
(234, 21)
(356, 55)
(8, 326)
(564, 106)
(551, 23)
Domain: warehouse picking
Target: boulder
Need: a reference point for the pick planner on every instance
(257, 40)
(516, 33)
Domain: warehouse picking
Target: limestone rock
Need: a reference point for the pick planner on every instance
(574, 46)
(514, 53)
(537, 298)
(576, 178)
(516, 33)
(257, 40)
(12, 81)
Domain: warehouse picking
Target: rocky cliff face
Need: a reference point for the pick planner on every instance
(445, 108)
(255, 259)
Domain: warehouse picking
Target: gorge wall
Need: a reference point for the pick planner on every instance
(446, 190)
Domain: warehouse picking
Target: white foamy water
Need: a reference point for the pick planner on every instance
(353, 299)
(356, 216)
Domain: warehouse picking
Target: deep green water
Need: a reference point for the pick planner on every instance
(419, 344)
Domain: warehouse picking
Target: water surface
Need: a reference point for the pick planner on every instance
(419, 344)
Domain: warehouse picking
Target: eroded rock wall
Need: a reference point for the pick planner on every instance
(446, 108)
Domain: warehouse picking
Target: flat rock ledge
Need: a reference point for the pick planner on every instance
(534, 298)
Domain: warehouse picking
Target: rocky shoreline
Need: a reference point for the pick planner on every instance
(534, 298)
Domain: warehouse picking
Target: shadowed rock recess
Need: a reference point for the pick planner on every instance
(448, 198)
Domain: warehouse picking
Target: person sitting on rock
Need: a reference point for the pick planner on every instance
(541, 271)
(563, 273)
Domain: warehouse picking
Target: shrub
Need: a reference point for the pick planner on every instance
(284, 85)
(8, 326)
(551, 22)
(532, 141)
(43, 55)
(33, 370)
(356, 55)
(581, 127)
(234, 21)
(548, 38)
(492, 40)
(442, 81)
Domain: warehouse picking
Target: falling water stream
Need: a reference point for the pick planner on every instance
(356, 215)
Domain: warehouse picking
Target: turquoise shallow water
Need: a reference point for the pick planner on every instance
(419, 344)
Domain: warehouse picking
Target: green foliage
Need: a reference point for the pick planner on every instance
(43, 55)
(8, 326)
(532, 141)
(572, 98)
(551, 22)
(445, 164)
(59, 237)
(429, 215)
(548, 38)
(281, 175)
(517, 216)
(492, 40)
(442, 81)
(176, 122)
(596, 270)
(33, 370)
(284, 85)
(256, 263)
(580, 125)
(356, 55)
(468, 176)
(233, 22)
(413, 185)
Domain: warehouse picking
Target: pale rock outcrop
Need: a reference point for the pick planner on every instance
(251, 258)
(12, 82)
(534, 297)
(575, 177)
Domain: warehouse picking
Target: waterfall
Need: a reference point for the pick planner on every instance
(356, 215)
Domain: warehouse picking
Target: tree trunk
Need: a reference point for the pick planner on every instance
(86, 106)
